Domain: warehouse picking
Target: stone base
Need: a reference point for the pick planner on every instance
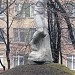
(45, 69)
(38, 62)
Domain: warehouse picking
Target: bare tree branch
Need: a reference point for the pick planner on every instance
(6, 7)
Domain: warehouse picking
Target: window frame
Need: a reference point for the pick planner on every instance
(18, 57)
(28, 35)
(2, 7)
(19, 15)
(31, 10)
(72, 57)
(69, 39)
(1, 41)
(31, 32)
(18, 34)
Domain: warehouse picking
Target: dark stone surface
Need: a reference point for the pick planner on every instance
(39, 62)
(45, 69)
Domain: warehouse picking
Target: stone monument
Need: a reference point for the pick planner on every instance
(40, 43)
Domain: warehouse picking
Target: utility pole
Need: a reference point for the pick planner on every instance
(7, 46)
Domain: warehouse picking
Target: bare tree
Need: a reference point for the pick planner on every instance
(55, 9)
(7, 22)
(20, 50)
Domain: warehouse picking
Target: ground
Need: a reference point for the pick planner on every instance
(45, 69)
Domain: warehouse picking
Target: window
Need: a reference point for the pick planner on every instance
(22, 10)
(71, 62)
(23, 34)
(69, 39)
(70, 8)
(18, 60)
(31, 10)
(1, 8)
(1, 35)
(19, 34)
(31, 32)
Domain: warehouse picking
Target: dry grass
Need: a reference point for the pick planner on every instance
(45, 69)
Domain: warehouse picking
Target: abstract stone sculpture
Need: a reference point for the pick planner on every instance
(40, 43)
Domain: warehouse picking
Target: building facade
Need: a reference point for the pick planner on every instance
(22, 27)
(68, 51)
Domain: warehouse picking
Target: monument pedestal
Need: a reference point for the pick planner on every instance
(45, 69)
